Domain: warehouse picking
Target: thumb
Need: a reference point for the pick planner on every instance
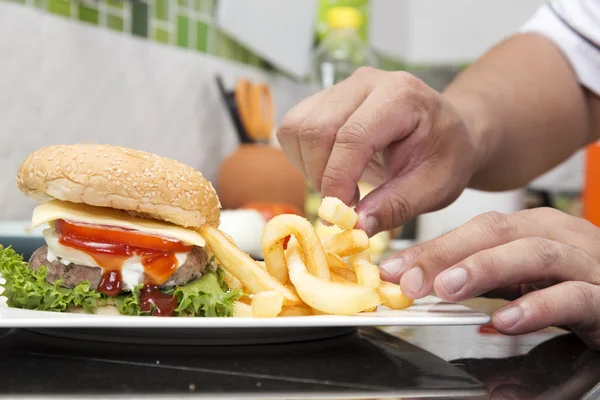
(402, 198)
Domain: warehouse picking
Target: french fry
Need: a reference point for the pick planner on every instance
(296, 311)
(262, 264)
(242, 310)
(231, 281)
(335, 212)
(243, 267)
(335, 261)
(367, 274)
(392, 296)
(284, 225)
(345, 273)
(326, 273)
(276, 262)
(339, 278)
(326, 296)
(267, 304)
(347, 243)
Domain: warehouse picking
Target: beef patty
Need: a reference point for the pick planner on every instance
(72, 274)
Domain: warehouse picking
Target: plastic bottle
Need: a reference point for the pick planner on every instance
(340, 53)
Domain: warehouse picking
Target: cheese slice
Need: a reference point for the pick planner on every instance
(77, 212)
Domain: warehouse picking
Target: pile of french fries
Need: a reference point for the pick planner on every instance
(309, 277)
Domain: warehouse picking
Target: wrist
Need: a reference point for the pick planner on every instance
(471, 111)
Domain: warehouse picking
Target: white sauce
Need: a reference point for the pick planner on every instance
(132, 272)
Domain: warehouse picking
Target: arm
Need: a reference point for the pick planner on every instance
(527, 110)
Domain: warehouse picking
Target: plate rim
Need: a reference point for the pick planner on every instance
(383, 317)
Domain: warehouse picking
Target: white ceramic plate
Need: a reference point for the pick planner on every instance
(427, 311)
(228, 331)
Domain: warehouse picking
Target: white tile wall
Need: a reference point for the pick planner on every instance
(65, 82)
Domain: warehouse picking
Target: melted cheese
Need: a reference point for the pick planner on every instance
(76, 212)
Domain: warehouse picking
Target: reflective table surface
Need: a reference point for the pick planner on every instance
(449, 362)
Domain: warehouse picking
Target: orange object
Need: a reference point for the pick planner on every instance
(591, 192)
(259, 173)
(256, 109)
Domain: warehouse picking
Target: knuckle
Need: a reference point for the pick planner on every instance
(399, 209)
(406, 79)
(365, 71)
(497, 224)
(543, 305)
(333, 177)
(549, 211)
(412, 253)
(313, 134)
(487, 262)
(439, 252)
(584, 295)
(354, 133)
(288, 127)
(545, 250)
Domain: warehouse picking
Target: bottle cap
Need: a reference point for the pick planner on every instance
(343, 17)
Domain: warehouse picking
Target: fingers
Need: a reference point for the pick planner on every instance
(389, 113)
(288, 129)
(316, 135)
(482, 232)
(395, 202)
(525, 260)
(575, 304)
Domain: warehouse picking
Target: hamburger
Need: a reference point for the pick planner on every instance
(121, 236)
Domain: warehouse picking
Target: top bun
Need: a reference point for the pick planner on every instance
(140, 183)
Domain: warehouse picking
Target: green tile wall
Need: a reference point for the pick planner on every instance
(188, 24)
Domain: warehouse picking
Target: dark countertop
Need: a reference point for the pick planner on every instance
(369, 363)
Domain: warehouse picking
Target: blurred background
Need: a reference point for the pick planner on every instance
(206, 82)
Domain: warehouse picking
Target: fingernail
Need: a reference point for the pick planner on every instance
(413, 279)
(369, 224)
(454, 280)
(394, 266)
(509, 316)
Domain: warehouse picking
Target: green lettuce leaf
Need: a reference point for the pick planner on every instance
(27, 288)
(208, 296)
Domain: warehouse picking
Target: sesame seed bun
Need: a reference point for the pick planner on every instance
(140, 183)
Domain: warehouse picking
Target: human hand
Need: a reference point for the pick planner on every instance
(390, 129)
(545, 259)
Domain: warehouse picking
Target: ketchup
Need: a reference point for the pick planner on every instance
(110, 283)
(110, 248)
(164, 304)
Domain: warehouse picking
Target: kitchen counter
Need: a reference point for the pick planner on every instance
(369, 363)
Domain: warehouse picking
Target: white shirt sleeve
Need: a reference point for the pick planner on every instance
(574, 26)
